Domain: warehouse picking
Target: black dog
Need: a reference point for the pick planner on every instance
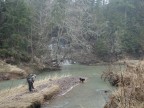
(30, 80)
(82, 79)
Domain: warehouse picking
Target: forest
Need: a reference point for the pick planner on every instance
(82, 53)
(81, 30)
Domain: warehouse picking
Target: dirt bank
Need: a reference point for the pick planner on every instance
(20, 97)
(8, 71)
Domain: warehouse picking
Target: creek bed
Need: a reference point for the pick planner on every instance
(89, 94)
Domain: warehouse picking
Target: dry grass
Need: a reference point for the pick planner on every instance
(4, 67)
(111, 75)
(20, 97)
(8, 72)
(30, 100)
(24, 88)
(130, 93)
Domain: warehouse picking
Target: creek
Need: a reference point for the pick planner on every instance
(86, 95)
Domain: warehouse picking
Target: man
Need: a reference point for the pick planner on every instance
(30, 80)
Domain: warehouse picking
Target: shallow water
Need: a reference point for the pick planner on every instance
(86, 95)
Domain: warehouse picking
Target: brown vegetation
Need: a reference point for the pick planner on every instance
(111, 76)
(20, 97)
(8, 71)
(29, 100)
(130, 91)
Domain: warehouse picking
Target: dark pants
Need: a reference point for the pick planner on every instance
(30, 84)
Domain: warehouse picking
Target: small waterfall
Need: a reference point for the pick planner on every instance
(66, 62)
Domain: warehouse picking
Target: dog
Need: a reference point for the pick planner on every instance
(82, 79)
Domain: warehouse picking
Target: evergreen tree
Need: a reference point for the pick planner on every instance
(15, 28)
